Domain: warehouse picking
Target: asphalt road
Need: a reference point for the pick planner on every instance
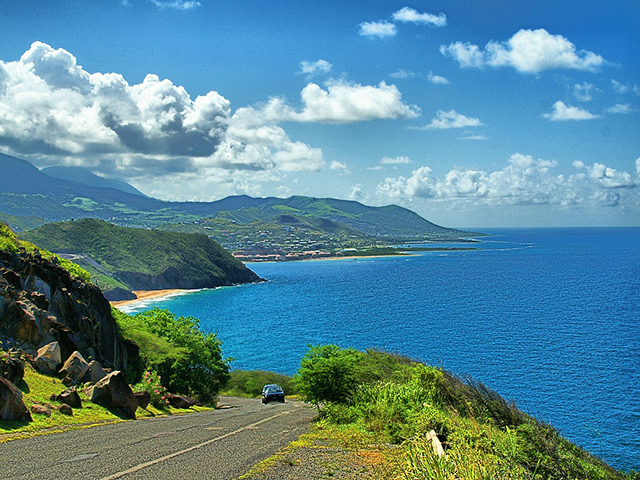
(220, 444)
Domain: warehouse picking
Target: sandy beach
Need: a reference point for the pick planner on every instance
(146, 295)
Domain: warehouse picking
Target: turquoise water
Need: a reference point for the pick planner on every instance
(549, 318)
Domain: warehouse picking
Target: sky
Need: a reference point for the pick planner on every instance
(471, 113)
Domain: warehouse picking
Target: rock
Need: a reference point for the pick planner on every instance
(49, 358)
(70, 397)
(12, 369)
(74, 368)
(39, 300)
(11, 405)
(95, 372)
(66, 409)
(67, 382)
(180, 401)
(113, 391)
(438, 449)
(41, 409)
(143, 398)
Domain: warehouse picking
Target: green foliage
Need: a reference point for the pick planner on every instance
(131, 255)
(151, 382)
(249, 383)
(485, 436)
(328, 373)
(202, 371)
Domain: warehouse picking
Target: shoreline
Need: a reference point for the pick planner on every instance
(147, 295)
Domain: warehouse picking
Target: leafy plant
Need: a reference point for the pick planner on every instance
(151, 383)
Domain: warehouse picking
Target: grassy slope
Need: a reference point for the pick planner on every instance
(152, 252)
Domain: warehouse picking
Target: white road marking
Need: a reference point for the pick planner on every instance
(190, 449)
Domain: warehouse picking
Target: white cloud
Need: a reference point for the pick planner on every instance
(402, 74)
(468, 136)
(55, 112)
(563, 112)
(528, 51)
(622, 88)
(620, 108)
(437, 79)
(451, 119)
(401, 160)
(340, 168)
(176, 4)
(356, 193)
(583, 92)
(314, 68)
(524, 181)
(377, 29)
(342, 102)
(407, 14)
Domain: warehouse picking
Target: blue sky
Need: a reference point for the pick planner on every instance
(470, 113)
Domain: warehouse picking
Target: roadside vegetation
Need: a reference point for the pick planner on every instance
(249, 383)
(401, 401)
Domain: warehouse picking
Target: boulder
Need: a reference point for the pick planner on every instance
(49, 358)
(75, 367)
(95, 372)
(143, 398)
(180, 401)
(41, 409)
(113, 391)
(11, 405)
(70, 397)
(66, 409)
(12, 369)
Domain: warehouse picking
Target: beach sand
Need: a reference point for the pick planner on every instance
(146, 295)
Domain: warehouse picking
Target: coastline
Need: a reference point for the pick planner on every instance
(147, 295)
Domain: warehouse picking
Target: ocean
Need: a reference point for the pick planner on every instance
(549, 318)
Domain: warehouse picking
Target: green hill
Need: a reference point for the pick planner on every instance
(144, 259)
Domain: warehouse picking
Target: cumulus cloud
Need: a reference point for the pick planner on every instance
(377, 29)
(340, 168)
(401, 73)
(437, 79)
(401, 160)
(584, 92)
(451, 119)
(50, 104)
(340, 102)
(524, 181)
(314, 68)
(562, 112)
(55, 112)
(356, 193)
(528, 51)
(620, 108)
(176, 4)
(407, 14)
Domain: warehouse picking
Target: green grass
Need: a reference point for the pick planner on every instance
(37, 388)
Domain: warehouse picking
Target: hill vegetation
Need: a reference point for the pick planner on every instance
(144, 259)
(401, 401)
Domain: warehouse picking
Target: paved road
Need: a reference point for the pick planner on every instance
(220, 444)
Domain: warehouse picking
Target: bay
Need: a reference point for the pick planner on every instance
(549, 318)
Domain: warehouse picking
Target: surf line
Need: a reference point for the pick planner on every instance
(190, 449)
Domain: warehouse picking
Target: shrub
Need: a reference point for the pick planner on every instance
(151, 383)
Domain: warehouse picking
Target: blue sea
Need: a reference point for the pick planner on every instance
(549, 318)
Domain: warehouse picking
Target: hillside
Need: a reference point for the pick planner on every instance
(27, 191)
(144, 259)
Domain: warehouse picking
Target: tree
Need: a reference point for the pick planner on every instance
(328, 374)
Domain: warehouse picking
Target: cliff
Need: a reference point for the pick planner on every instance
(40, 303)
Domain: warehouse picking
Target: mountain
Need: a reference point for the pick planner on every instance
(144, 259)
(27, 191)
(84, 176)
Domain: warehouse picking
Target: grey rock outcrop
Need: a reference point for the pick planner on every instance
(41, 303)
(113, 391)
(95, 372)
(69, 397)
(11, 368)
(11, 405)
(75, 368)
(143, 398)
(49, 358)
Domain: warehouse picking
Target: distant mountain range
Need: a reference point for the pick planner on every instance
(65, 193)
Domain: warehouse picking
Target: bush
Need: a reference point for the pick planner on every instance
(151, 383)
(328, 373)
(249, 383)
(201, 371)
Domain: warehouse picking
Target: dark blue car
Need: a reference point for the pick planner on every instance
(272, 393)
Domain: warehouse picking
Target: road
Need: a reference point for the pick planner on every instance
(220, 444)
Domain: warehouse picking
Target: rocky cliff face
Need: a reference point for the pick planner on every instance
(41, 303)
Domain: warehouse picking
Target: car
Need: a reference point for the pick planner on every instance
(272, 392)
